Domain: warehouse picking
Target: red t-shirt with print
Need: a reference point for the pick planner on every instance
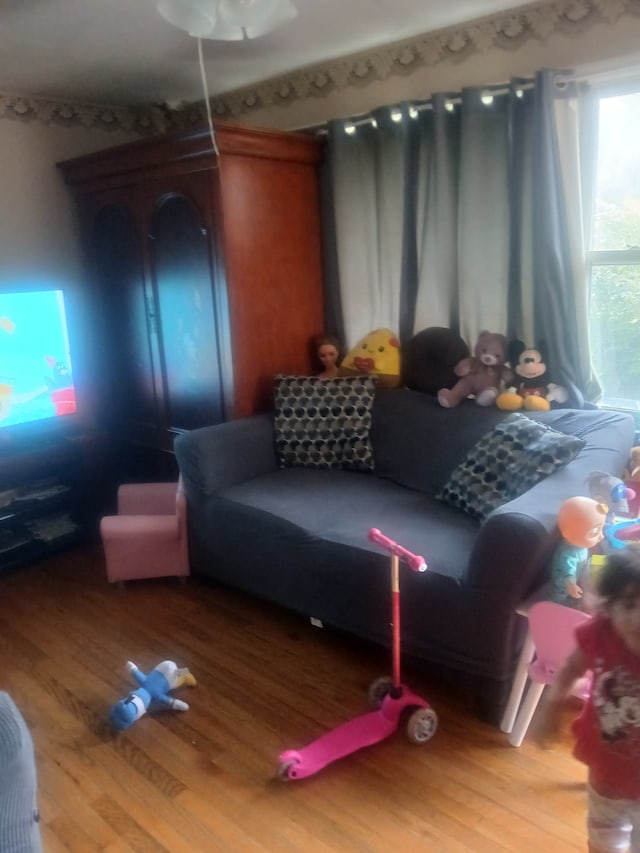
(608, 730)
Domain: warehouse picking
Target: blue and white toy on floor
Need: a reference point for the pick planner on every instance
(154, 689)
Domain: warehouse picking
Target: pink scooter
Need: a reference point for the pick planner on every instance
(387, 695)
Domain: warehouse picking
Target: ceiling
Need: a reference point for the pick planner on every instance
(122, 52)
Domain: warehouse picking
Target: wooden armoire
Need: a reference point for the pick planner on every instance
(205, 275)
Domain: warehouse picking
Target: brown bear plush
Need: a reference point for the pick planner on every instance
(480, 374)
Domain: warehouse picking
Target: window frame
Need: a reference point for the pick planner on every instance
(611, 257)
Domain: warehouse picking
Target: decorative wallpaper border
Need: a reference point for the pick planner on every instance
(509, 31)
(77, 114)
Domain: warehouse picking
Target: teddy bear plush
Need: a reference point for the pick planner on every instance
(532, 388)
(479, 375)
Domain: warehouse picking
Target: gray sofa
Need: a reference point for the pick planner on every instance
(298, 536)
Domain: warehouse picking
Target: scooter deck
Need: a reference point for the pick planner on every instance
(349, 737)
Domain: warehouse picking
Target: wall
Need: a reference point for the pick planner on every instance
(564, 34)
(38, 230)
(38, 237)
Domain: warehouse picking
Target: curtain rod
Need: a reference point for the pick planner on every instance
(492, 89)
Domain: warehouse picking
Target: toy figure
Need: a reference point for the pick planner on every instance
(580, 521)
(154, 687)
(327, 352)
(610, 490)
(480, 374)
(631, 477)
(633, 471)
(533, 390)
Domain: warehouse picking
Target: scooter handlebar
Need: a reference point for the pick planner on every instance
(417, 563)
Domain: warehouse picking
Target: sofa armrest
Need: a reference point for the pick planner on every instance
(510, 557)
(213, 458)
(519, 537)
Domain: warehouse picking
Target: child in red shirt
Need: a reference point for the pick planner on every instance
(607, 733)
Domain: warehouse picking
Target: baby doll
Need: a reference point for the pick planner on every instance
(327, 350)
(580, 521)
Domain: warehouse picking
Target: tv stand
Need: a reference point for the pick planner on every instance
(43, 501)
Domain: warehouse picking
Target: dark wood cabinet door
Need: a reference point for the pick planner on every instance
(128, 393)
(230, 292)
(187, 323)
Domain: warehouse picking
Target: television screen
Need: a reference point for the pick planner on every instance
(35, 366)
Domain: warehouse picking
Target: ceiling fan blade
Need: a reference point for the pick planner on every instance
(196, 17)
(253, 18)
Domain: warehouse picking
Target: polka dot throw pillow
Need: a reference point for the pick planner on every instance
(507, 461)
(324, 423)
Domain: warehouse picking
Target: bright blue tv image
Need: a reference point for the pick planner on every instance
(35, 364)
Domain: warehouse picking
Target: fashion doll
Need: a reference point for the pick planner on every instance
(327, 349)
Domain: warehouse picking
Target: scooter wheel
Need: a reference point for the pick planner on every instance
(286, 770)
(380, 688)
(422, 725)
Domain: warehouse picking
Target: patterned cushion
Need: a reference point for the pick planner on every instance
(507, 461)
(324, 423)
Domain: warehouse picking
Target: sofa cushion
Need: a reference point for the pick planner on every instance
(342, 506)
(417, 443)
(507, 461)
(324, 423)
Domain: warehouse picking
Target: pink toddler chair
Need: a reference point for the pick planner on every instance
(552, 637)
(148, 536)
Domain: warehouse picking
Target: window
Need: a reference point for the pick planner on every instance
(614, 259)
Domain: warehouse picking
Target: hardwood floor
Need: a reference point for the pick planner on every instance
(206, 780)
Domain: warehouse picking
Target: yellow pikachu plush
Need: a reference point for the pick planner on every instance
(377, 353)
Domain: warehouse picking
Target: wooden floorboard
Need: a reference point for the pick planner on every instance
(206, 780)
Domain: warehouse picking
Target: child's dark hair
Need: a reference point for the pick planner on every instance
(621, 571)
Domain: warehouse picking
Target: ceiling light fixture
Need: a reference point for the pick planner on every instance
(227, 20)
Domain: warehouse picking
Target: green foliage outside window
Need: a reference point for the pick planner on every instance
(615, 330)
(614, 311)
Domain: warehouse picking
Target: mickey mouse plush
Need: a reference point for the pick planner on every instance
(532, 391)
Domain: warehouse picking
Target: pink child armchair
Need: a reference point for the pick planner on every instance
(148, 536)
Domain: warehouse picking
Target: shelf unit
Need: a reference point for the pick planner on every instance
(43, 505)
